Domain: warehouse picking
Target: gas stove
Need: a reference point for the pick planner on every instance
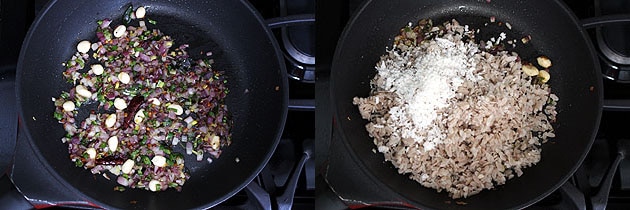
(603, 180)
(286, 182)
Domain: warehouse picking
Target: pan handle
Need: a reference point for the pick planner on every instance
(301, 104)
(13, 199)
(593, 22)
(290, 20)
(617, 105)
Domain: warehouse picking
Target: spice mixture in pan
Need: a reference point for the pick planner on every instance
(151, 98)
(456, 115)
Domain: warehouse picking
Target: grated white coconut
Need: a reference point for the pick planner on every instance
(425, 77)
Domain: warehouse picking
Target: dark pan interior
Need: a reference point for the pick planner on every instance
(555, 33)
(241, 46)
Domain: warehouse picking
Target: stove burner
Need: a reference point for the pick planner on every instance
(614, 49)
(299, 41)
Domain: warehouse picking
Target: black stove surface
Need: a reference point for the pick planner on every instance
(283, 184)
(589, 188)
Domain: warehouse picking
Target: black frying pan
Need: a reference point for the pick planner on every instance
(555, 32)
(242, 46)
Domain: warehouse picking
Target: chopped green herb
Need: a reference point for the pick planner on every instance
(78, 163)
(101, 98)
(195, 151)
(127, 15)
(81, 62)
(134, 154)
(146, 94)
(152, 21)
(148, 177)
(65, 95)
(58, 115)
(107, 34)
(119, 188)
(146, 160)
(160, 84)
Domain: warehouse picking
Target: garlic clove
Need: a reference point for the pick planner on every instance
(120, 31)
(83, 91)
(128, 166)
(215, 142)
(112, 143)
(155, 101)
(68, 106)
(140, 12)
(97, 69)
(544, 61)
(124, 77)
(159, 161)
(544, 76)
(154, 185)
(120, 103)
(176, 108)
(110, 120)
(139, 116)
(91, 152)
(529, 70)
(84, 46)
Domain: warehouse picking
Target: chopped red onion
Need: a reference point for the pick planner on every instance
(151, 70)
(188, 148)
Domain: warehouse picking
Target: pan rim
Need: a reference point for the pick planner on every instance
(283, 87)
(362, 165)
